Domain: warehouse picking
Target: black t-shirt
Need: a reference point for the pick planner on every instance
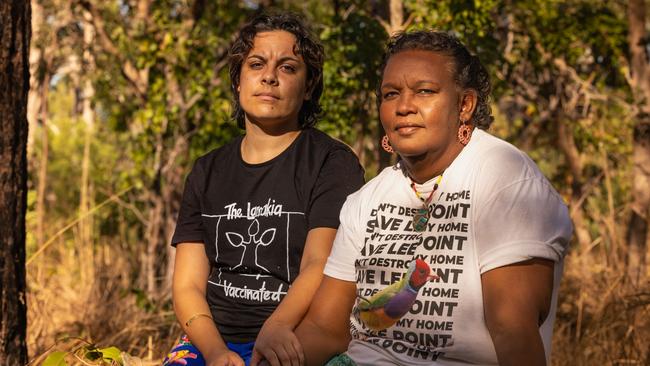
(253, 220)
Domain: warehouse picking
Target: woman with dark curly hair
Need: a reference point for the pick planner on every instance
(454, 255)
(259, 215)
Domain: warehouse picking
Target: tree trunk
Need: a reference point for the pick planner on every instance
(42, 166)
(15, 32)
(637, 232)
(154, 240)
(37, 111)
(88, 116)
(35, 59)
(396, 16)
(172, 193)
(164, 201)
(567, 145)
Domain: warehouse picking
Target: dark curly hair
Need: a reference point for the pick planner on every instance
(469, 73)
(307, 45)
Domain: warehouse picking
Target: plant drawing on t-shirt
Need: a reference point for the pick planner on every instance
(387, 306)
(264, 239)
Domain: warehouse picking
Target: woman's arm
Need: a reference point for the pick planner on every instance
(325, 330)
(276, 341)
(516, 301)
(191, 271)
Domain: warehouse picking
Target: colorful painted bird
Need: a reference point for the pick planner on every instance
(387, 306)
(179, 357)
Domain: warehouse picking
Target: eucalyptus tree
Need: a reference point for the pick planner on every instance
(15, 33)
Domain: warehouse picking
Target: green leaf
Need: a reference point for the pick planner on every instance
(111, 353)
(93, 354)
(55, 359)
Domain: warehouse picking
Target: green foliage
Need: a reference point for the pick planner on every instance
(111, 353)
(354, 47)
(87, 353)
(56, 358)
(182, 58)
(473, 21)
(593, 35)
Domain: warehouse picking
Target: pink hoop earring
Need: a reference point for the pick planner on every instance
(464, 133)
(385, 143)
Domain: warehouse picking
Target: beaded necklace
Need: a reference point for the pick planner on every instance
(421, 216)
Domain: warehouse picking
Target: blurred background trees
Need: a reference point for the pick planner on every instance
(126, 94)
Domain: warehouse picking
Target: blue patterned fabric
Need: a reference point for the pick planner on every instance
(184, 353)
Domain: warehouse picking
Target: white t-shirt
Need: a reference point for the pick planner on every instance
(493, 207)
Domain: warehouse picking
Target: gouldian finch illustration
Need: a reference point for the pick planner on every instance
(387, 306)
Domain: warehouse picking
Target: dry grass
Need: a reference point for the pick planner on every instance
(87, 294)
(603, 318)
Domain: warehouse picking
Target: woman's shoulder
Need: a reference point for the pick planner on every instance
(502, 159)
(321, 139)
(320, 149)
(375, 187)
(502, 166)
(217, 154)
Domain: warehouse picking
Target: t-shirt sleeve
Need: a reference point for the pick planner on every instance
(347, 244)
(340, 175)
(189, 226)
(524, 220)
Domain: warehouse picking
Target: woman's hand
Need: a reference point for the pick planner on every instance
(277, 345)
(325, 330)
(225, 358)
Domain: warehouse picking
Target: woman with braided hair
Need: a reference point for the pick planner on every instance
(454, 255)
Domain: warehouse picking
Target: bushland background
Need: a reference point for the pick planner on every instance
(125, 94)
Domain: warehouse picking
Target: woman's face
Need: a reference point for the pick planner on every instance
(421, 104)
(272, 82)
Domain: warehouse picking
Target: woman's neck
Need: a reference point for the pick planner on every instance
(260, 145)
(422, 168)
